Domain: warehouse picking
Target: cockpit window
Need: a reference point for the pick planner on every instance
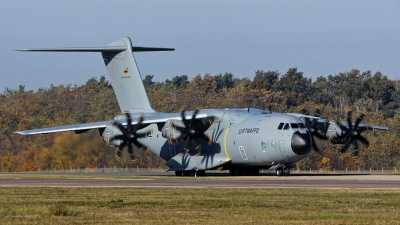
(294, 125)
(302, 125)
(280, 126)
(286, 127)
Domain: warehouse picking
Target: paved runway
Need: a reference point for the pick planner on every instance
(297, 181)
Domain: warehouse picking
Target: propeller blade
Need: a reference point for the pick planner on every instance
(359, 119)
(122, 144)
(130, 150)
(138, 126)
(205, 137)
(120, 127)
(128, 121)
(181, 129)
(346, 145)
(314, 145)
(118, 154)
(194, 115)
(318, 110)
(148, 150)
(137, 144)
(140, 135)
(144, 134)
(355, 145)
(116, 137)
(303, 110)
(196, 144)
(131, 155)
(186, 144)
(349, 124)
(183, 109)
(363, 140)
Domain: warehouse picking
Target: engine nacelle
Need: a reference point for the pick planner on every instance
(168, 131)
(109, 132)
(334, 133)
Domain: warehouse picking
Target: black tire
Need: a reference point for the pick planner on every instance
(286, 171)
(186, 173)
(232, 172)
(178, 173)
(240, 172)
(279, 172)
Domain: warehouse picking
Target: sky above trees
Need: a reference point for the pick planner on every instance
(239, 37)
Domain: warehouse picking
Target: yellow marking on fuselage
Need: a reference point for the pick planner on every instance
(226, 151)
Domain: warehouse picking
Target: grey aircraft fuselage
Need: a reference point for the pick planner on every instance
(240, 138)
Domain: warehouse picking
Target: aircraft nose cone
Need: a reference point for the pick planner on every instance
(301, 143)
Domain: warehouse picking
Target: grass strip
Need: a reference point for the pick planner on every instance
(48, 205)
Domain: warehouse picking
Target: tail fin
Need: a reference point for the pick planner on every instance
(123, 71)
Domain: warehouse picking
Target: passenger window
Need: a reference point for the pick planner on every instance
(286, 127)
(280, 126)
(294, 125)
(302, 125)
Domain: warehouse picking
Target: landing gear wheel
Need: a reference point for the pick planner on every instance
(201, 173)
(186, 173)
(232, 172)
(279, 172)
(240, 172)
(286, 172)
(178, 173)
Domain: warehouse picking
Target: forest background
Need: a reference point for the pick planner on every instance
(95, 101)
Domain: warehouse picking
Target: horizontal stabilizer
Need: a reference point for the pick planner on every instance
(97, 49)
(122, 70)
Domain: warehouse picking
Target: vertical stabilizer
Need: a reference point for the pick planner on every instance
(125, 78)
(123, 71)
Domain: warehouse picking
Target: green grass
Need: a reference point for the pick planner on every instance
(47, 205)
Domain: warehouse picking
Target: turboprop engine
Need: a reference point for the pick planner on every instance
(170, 132)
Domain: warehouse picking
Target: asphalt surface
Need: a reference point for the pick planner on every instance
(220, 181)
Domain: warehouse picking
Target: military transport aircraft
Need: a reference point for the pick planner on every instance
(239, 140)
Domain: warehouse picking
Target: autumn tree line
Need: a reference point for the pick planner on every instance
(95, 101)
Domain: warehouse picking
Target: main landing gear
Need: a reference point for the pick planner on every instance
(282, 171)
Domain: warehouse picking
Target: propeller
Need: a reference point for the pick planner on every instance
(129, 136)
(311, 125)
(353, 133)
(191, 132)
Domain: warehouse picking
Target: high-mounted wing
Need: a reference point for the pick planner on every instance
(80, 128)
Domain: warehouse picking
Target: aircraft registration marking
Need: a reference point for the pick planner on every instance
(226, 150)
